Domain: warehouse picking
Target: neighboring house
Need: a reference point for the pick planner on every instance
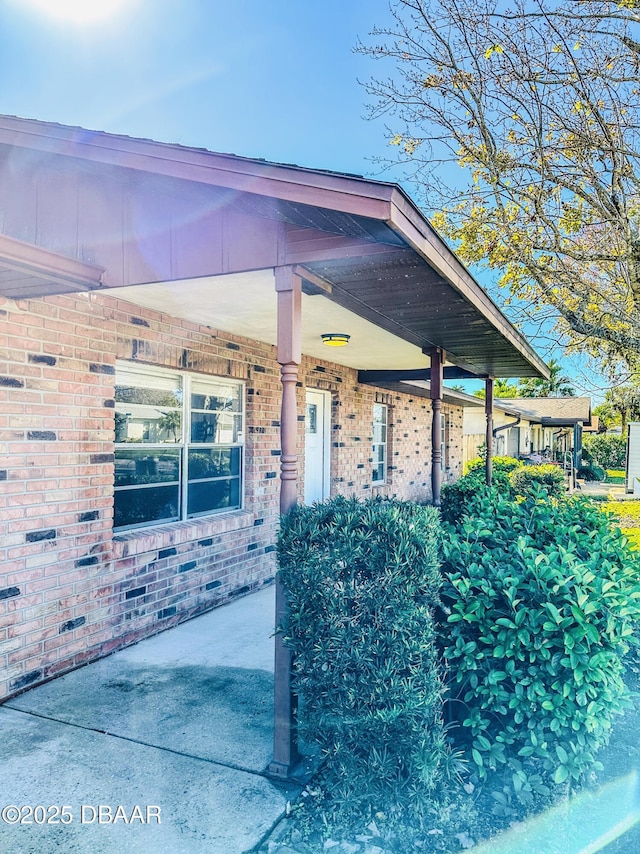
(526, 425)
(166, 390)
(632, 466)
(594, 426)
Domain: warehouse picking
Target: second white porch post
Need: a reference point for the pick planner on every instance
(289, 296)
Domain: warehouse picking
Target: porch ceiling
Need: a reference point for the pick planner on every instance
(245, 304)
(409, 298)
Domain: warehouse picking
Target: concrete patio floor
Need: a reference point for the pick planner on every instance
(181, 722)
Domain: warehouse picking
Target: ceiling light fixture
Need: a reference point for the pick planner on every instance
(335, 339)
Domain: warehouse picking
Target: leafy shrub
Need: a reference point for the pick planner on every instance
(362, 580)
(609, 452)
(455, 496)
(510, 478)
(591, 472)
(543, 595)
(498, 463)
(549, 477)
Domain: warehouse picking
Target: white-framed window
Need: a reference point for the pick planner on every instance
(178, 445)
(379, 474)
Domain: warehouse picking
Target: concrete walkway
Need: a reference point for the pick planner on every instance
(614, 492)
(179, 725)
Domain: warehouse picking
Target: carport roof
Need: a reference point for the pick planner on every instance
(363, 243)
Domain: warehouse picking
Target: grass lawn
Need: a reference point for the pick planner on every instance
(615, 476)
(627, 514)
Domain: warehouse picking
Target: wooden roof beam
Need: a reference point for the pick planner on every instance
(450, 372)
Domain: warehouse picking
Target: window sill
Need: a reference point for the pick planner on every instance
(143, 540)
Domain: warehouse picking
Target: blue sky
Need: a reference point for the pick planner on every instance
(276, 79)
(265, 78)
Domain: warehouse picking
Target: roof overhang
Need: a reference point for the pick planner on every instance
(24, 265)
(362, 243)
(553, 411)
(561, 422)
(526, 408)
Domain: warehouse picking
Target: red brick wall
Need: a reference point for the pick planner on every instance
(69, 590)
(409, 435)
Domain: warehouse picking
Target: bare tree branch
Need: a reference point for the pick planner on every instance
(539, 105)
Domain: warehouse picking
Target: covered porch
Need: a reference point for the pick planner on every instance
(274, 253)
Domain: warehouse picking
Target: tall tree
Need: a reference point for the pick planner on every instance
(608, 416)
(625, 401)
(539, 103)
(558, 385)
(501, 388)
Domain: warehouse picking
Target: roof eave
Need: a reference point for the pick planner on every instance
(359, 197)
(407, 220)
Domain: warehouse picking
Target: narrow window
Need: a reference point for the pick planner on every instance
(379, 474)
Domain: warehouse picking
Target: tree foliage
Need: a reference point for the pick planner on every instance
(539, 103)
(501, 388)
(558, 385)
(624, 400)
(607, 415)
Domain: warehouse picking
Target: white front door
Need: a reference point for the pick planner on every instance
(316, 446)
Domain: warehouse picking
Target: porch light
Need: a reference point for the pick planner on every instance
(335, 339)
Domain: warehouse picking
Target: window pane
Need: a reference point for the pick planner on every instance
(205, 496)
(209, 427)
(379, 413)
(147, 424)
(134, 385)
(379, 442)
(214, 462)
(213, 397)
(137, 466)
(147, 406)
(141, 506)
(153, 407)
(379, 433)
(311, 421)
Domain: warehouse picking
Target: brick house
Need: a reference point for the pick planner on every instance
(165, 387)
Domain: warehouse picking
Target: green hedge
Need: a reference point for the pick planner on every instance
(362, 580)
(510, 478)
(498, 463)
(456, 496)
(609, 452)
(543, 595)
(551, 478)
